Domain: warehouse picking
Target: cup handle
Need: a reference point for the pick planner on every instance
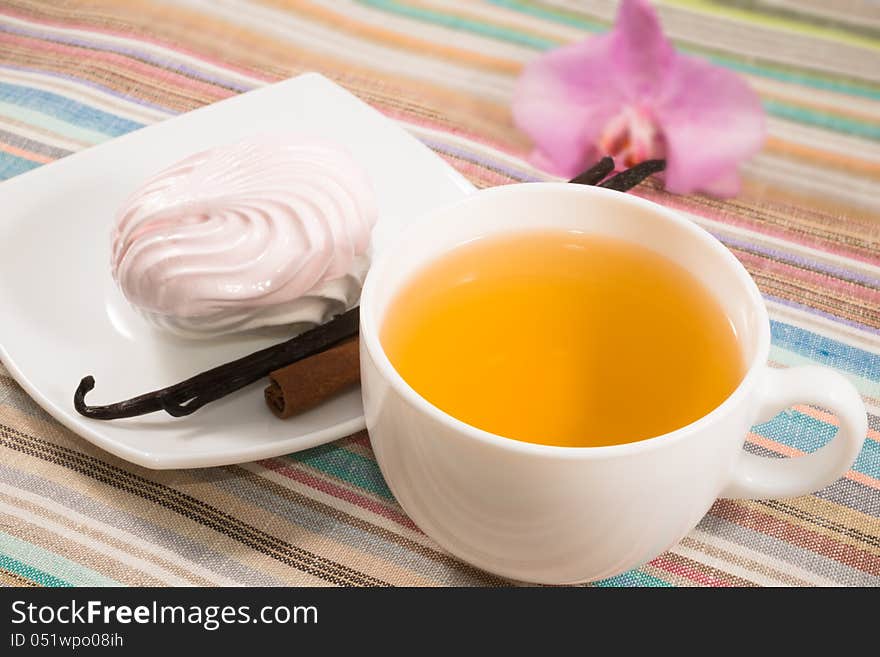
(758, 477)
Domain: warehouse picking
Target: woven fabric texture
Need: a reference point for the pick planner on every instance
(806, 226)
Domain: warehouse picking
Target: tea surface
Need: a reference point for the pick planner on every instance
(563, 338)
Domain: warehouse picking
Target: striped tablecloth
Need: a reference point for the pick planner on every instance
(806, 226)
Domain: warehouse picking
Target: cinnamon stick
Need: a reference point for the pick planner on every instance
(305, 384)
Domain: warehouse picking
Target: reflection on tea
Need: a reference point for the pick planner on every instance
(563, 338)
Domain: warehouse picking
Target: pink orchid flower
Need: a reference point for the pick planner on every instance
(629, 95)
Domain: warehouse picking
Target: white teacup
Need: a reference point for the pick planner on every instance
(558, 515)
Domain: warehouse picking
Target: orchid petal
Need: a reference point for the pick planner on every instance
(642, 56)
(563, 100)
(711, 120)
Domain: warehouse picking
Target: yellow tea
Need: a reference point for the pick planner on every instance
(563, 338)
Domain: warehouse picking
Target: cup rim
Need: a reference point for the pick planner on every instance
(369, 328)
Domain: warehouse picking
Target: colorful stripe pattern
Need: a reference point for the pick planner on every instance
(807, 227)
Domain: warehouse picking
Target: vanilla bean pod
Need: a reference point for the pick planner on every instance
(188, 396)
(626, 180)
(595, 173)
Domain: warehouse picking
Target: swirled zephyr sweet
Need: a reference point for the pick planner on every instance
(269, 231)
